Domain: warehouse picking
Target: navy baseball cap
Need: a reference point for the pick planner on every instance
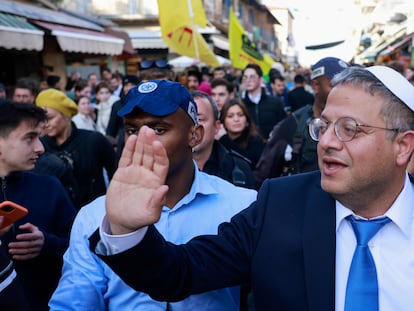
(328, 66)
(130, 79)
(160, 98)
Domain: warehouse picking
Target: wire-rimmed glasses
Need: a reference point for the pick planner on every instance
(346, 128)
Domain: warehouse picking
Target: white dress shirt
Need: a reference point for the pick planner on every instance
(393, 251)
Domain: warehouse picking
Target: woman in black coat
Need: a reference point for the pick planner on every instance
(242, 134)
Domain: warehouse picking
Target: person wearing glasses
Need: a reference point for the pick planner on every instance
(155, 69)
(299, 252)
(265, 110)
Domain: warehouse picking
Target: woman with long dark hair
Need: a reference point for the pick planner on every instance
(242, 134)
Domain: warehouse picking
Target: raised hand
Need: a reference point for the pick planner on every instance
(137, 190)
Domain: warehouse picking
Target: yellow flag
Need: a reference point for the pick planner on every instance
(243, 51)
(178, 20)
(177, 13)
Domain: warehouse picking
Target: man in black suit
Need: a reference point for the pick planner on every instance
(295, 250)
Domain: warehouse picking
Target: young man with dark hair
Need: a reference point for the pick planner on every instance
(279, 90)
(219, 72)
(193, 79)
(37, 241)
(221, 91)
(265, 110)
(299, 96)
(25, 91)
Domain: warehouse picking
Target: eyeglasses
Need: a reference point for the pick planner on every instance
(251, 78)
(346, 128)
(149, 63)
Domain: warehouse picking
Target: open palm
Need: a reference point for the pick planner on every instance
(137, 190)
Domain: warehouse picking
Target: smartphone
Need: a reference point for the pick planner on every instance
(11, 212)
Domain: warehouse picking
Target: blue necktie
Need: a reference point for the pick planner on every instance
(362, 286)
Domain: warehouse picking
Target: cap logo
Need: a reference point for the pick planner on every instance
(317, 72)
(192, 112)
(147, 87)
(342, 64)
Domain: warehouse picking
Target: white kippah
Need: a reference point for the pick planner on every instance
(396, 83)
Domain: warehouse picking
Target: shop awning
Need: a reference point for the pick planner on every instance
(397, 45)
(79, 40)
(146, 37)
(371, 53)
(128, 48)
(220, 42)
(17, 33)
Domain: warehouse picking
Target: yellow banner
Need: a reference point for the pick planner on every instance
(177, 20)
(243, 51)
(177, 13)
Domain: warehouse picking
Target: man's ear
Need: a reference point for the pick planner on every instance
(262, 80)
(405, 147)
(315, 85)
(196, 135)
(217, 127)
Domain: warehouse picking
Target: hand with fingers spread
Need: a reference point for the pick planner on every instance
(137, 190)
(28, 245)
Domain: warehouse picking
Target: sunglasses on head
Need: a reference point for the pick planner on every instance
(159, 63)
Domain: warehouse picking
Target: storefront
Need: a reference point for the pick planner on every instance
(37, 41)
(401, 51)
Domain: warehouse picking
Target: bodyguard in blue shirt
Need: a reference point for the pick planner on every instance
(196, 204)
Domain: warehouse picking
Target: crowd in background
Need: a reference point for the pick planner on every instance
(255, 127)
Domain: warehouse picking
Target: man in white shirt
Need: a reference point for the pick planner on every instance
(299, 252)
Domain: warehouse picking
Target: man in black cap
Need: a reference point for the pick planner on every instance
(290, 149)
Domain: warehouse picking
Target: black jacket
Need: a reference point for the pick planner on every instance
(283, 245)
(293, 131)
(252, 151)
(298, 98)
(266, 114)
(51, 210)
(229, 165)
(90, 152)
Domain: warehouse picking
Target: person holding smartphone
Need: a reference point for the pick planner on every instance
(36, 242)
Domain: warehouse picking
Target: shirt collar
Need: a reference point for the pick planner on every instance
(199, 187)
(401, 211)
(255, 99)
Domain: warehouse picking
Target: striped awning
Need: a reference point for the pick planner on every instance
(79, 40)
(17, 33)
(146, 37)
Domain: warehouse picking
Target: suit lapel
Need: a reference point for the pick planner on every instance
(319, 250)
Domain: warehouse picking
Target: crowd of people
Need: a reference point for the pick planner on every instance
(260, 178)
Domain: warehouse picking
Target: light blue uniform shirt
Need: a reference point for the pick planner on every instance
(89, 284)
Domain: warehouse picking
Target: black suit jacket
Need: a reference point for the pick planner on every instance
(283, 244)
